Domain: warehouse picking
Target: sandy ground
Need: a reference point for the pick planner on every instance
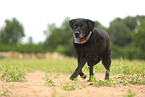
(34, 87)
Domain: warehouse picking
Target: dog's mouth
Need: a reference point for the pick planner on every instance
(78, 35)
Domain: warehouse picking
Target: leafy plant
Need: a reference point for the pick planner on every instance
(5, 91)
(49, 81)
(132, 79)
(130, 94)
(13, 74)
(69, 86)
(100, 83)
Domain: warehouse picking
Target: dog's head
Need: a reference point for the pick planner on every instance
(81, 27)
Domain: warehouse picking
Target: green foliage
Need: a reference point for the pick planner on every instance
(119, 32)
(13, 74)
(69, 86)
(132, 79)
(122, 79)
(127, 38)
(100, 83)
(5, 92)
(60, 38)
(24, 48)
(49, 81)
(123, 72)
(139, 35)
(12, 32)
(50, 65)
(99, 25)
(130, 94)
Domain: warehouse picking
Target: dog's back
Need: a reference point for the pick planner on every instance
(103, 35)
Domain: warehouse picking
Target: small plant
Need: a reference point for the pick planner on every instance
(5, 91)
(13, 74)
(79, 84)
(130, 94)
(68, 87)
(49, 82)
(100, 83)
(132, 79)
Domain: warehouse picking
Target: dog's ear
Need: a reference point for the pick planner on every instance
(71, 22)
(91, 24)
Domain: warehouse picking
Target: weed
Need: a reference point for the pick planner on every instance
(79, 84)
(132, 79)
(69, 64)
(49, 81)
(122, 79)
(68, 87)
(130, 94)
(5, 91)
(13, 74)
(76, 84)
(100, 83)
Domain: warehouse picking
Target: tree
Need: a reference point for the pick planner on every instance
(140, 35)
(119, 33)
(131, 23)
(100, 26)
(60, 38)
(12, 32)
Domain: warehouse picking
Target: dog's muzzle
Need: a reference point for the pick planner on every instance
(76, 34)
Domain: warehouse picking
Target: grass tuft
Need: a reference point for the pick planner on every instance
(5, 92)
(13, 74)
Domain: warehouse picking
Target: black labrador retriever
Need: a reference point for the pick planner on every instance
(91, 45)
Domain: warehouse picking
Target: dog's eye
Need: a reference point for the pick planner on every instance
(83, 26)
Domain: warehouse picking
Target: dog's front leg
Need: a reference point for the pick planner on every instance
(78, 69)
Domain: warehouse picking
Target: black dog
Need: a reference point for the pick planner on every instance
(91, 45)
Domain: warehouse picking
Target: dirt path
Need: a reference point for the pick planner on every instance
(34, 87)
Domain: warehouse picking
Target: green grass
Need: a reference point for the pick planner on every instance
(5, 92)
(13, 74)
(68, 65)
(31, 65)
(132, 72)
(76, 84)
(130, 94)
(49, 81)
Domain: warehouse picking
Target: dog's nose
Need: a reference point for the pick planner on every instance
(77, 33)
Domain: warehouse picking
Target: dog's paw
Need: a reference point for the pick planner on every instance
(90, 80)
(84, 76)
(72, 77)
(106, 78)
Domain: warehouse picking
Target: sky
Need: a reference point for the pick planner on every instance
(35, 15)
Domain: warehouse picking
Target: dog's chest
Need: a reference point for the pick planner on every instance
(87, 50)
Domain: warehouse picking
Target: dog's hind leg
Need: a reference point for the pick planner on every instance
(106, 60)
(91, 73)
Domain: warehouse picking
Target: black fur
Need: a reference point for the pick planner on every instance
(97, 48)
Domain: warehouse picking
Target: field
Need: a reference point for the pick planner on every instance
(50, 78)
